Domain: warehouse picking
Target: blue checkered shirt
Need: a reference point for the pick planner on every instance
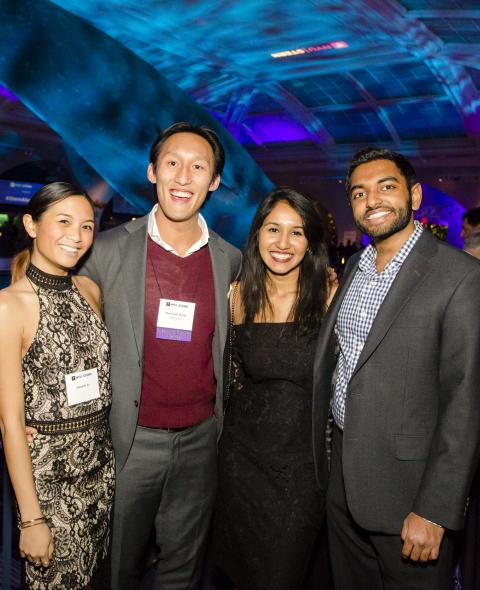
(358, 312)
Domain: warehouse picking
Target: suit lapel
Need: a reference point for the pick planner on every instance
(221, 280)
(133, 254)
(413, 271)
(328, 323)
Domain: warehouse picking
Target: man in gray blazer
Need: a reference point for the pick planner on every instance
(165, 279)
(400, 348)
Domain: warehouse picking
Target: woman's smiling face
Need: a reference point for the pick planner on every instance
(281, 240)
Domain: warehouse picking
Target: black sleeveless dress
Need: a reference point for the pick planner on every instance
(72, 454)
(269, 510)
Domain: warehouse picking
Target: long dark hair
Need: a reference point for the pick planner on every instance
(309, 308)
(44, 198)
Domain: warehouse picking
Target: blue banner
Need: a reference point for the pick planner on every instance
(17, 193)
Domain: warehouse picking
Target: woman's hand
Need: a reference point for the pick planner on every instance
(332, 284)
(36, 544)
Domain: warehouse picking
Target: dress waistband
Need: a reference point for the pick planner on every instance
(70, 424)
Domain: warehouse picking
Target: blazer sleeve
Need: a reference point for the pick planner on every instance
(90, 266)
(236, 264)
(454, 452)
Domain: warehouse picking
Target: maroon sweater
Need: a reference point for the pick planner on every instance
(178, 381)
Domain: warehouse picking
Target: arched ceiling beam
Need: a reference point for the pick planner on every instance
(381, 112)
(237, 109)
(211, 94)
(380, 102)
(466, 54)
(395, 21)
(300, 113)
(253, 136)
(445, 13)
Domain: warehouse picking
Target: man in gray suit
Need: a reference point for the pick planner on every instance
(400, 347)
(165, 279)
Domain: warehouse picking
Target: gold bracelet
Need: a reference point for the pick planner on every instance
(28, 523)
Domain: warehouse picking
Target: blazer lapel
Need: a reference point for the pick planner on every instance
(328, 323)
(133, 253)
(413, 271)
(221, 280)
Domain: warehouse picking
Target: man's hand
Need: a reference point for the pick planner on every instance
(421, 539)
(30, 433)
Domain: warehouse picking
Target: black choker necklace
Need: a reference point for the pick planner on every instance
(48, 281)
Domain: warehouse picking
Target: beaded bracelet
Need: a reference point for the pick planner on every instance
(28, 523)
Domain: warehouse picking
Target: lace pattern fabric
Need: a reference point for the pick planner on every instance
(73, 471)
(269, 510)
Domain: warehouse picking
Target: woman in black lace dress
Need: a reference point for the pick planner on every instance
(269, 510)
(55, 377)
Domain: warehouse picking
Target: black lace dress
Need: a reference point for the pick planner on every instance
(72, 454)
(269, 510)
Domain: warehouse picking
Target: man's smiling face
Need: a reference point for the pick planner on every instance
(381, 201)
(183, 175)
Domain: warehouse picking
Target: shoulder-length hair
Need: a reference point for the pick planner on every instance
(309, 307)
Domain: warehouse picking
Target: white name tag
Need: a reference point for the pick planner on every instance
(175, 320)
(82, 386)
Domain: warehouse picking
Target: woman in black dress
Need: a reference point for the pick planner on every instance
(269, 510)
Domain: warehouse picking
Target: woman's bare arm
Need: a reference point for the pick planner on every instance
(35, 542)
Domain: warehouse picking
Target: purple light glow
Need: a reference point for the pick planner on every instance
(277, 128)
(443, 209)
(5, 92)
(472, 122)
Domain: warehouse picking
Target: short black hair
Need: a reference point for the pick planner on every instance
(208, 135)
(371, 154)
(472, 216)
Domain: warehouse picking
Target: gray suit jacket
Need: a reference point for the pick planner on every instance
(117, 264)
(412, 424)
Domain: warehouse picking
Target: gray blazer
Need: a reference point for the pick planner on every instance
(117, 264)
(412, 424)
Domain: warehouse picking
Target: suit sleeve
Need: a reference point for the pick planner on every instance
(90, 267)
(454, 453)
(236, 264)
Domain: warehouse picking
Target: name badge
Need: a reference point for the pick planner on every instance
(82, 386)
(175, 320)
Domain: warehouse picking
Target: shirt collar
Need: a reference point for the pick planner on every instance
(154, 234)
(369, 255)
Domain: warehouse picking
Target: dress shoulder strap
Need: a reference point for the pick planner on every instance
(233, 301)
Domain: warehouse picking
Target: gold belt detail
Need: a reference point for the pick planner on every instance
(70, 424)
